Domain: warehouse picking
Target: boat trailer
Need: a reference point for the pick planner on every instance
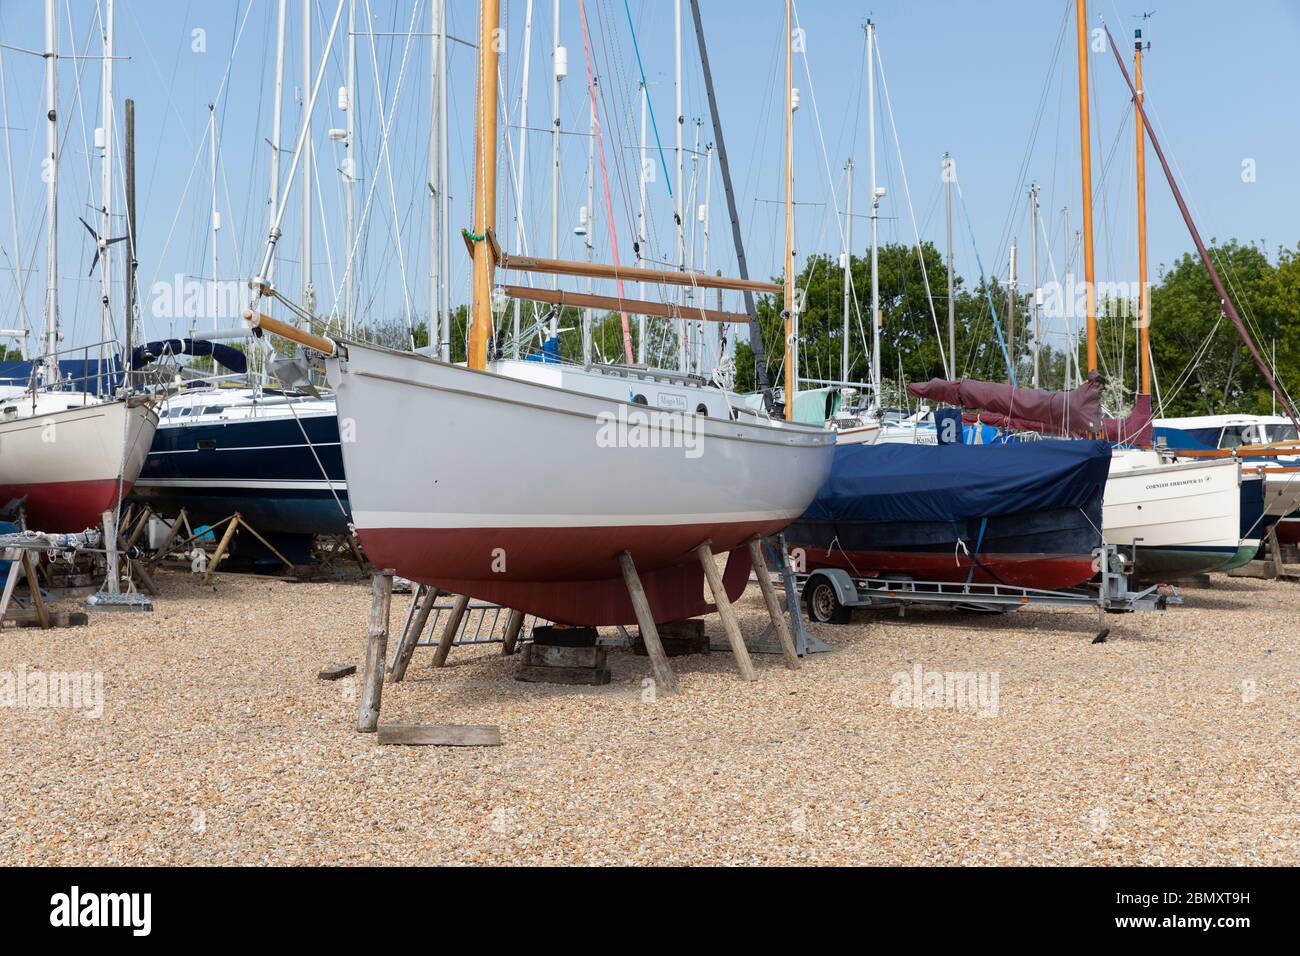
(831, 594)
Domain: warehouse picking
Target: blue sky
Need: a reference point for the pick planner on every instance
(962, 77)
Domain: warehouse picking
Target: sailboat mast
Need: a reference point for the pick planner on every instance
(679, 208)
(485, 184)
(128, 161)
(790, 381)
(350, 171)
(51, 195)
(848, 274)
(522, 161)
(308, 163)
(1144, 298)
(443, 342)
(1085, 159)
(952, 302)
(437, 15)
(1012, 354)
(106, 188)
(275, 129)
(876, 194)
(1033, 268)
(214, 215)
(559, 69)
(640, 220)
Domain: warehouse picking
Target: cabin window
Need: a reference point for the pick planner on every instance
(1232, 437)
(639, 400)
(701, 409)
(207, 444)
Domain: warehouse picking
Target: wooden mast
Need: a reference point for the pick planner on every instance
(485, 186)
(1144, 296)
(1085, 157)
(791, 384)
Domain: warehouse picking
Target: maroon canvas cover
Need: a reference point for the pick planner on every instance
(1075, 412)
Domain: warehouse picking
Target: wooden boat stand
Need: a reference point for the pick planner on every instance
(169, 545)
(424, 603)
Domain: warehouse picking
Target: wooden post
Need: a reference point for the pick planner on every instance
(1275, 551)
(514, 623)
(425, 597)
(372, 683)
(38, 602)
(167, 540)
(233, 523)
(729, 624)
(759, 561)
(663, 674)
(451, 629)
(111, 541)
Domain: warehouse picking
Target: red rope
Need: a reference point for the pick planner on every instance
(604, 177)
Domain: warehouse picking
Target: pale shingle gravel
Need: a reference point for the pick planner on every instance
(1173, 743)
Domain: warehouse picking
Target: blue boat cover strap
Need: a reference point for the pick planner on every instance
(897, 482)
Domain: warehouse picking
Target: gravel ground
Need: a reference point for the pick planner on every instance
(1175, 742)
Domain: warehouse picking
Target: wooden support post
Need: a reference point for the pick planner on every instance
(233, 523)
(1275, 551)
(141, 523)
(372, 683)
(167, 540)
(759, 560)
(239, 520)
(725, 611)
(514, 623)
(451, 629)
(425, 597)
(663, 674)
(111, 545)
(38, 602)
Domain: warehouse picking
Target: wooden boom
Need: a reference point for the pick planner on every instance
(615, 304)
(291, 332)
(599, 270)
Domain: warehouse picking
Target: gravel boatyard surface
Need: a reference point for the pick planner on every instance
(1175, 742)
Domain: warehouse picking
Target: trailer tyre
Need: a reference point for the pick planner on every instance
(823, 604)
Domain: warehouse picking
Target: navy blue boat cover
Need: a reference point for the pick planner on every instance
(897, 482)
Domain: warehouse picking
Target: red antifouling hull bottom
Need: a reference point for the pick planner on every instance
(570, 575)
(66, 507)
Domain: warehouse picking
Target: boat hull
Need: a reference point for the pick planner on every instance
(523, 494)
(70, 466)
(1046, 549)
(265, 469)
(1175, 519)
(1018, 515)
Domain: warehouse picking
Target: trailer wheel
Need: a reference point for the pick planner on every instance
(823, 603)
